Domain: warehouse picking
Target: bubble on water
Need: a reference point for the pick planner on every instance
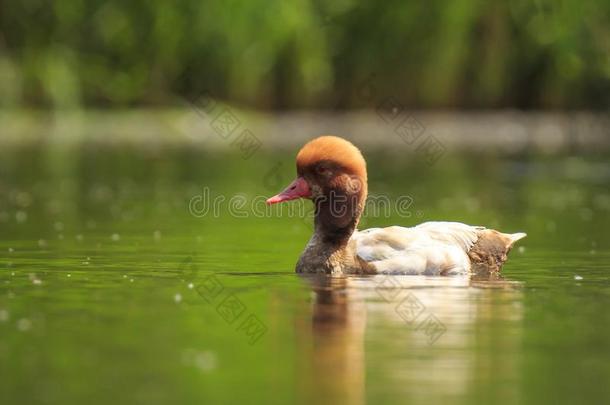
(124, 275)
(79, 237)
(577, 277)
(157, 235)
(23, 199)
(521, 249)
(115, 210)
(592, 251)
(21, 216)
(36, 281)
(131, 280)
(3, 315)
(100, 193)
(60, 236)
(54, 207)
(68, 275)
(59, 226)
(586, 214)
(602, 201)
(24, 324)
(127, 216)
(178, 298)
(204, 360)
(191, 285)
(115, 237)
(42, 243)
(11, 250)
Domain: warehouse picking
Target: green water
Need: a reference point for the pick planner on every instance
(111, 290)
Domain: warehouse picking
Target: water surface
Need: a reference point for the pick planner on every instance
(112, 289)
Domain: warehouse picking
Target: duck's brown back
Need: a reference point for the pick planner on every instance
(491, 248)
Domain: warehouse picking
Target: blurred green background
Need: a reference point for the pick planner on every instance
(306, 54)
(115, 115)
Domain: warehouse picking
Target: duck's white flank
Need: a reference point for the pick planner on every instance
(430, 248)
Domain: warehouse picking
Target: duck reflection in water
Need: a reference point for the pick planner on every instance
(387, 319)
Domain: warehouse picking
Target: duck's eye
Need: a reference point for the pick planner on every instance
(321, 170)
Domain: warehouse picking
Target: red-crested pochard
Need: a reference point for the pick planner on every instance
(332, 173)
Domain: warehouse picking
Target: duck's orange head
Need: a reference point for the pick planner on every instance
(326, 164)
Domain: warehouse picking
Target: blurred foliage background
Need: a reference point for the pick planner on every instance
(306, 54)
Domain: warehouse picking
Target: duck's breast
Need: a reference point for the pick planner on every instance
(430, 248)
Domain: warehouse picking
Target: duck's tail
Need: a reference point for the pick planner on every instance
(492, 247)
(514, 237)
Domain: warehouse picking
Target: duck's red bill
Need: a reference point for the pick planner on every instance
(296, 189)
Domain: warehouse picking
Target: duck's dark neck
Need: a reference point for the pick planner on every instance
(335, 221)
(336, 218)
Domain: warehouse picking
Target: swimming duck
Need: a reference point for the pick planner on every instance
(331, 172)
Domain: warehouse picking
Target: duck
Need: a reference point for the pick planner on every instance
(332, 173)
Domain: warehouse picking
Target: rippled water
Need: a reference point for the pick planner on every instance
(111, 289)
